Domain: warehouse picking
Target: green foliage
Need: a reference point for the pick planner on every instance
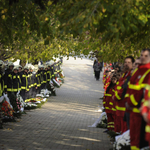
(113, 28)
(119, 27)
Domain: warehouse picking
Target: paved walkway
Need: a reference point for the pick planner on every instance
(62, 123)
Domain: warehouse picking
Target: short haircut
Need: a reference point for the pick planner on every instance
(130, 57)
(147, 49)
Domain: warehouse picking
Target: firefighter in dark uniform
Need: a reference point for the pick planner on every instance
(45, 76)
(42, 76)
(1, 88)
(38, 77)
(54, 66)
(19, 76)
(37, 83)
(1, 78)
(52, 70)
(19, 69)
(24, 83)
(59, 63)
(48, 73)
(55, 69)
(61, 60)
(8, 79)
(16, 85)
(10, 88)
(32, 83)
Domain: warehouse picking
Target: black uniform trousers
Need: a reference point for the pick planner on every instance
(23, 94)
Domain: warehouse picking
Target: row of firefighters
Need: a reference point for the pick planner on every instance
(127, 99)
(25, 80)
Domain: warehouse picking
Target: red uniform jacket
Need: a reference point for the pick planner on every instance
(120, 103)
(136, 86)
(146, 109)
(108, 102)
(107, 82)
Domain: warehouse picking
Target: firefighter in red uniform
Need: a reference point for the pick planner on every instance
(104, 76)
(135, 93)
(145, 111)
(117, 128)
(108, 103)
(107, 81)
(119, 92)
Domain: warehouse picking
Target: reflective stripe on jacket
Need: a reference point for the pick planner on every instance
(136, 85)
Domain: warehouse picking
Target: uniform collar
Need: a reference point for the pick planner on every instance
(144, 66)
(127, 73)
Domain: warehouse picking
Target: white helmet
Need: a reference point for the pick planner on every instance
(51, 62)
(25, 67)
(15, 68)
(10, 64)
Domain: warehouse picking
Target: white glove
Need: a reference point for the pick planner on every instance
(7, 99)
(18, 92)
(1, 98)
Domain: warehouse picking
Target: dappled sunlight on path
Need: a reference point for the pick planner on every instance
(62, 123)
